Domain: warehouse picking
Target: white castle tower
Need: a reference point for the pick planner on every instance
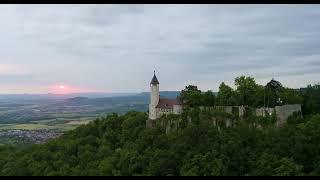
(154, 97)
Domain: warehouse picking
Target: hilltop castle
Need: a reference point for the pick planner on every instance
(160, 105)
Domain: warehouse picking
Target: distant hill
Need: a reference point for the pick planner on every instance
(167, 94)
(120, 104)
(100, 95)
(76, 99)
(60, 96)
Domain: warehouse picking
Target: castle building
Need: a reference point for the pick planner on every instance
(160, 105)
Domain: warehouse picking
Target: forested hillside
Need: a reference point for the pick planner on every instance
(122, 145)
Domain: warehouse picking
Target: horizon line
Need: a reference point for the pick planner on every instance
(84, 93)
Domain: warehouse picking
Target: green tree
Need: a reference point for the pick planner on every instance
(246, 89)
(191, 96)
(311, 99)
(203, 165)
(208, 98)
(226, 95)
(272, 90)
(268, 165)
(290, 96)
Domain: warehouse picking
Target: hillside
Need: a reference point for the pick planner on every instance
(121, 145)
(200, 141)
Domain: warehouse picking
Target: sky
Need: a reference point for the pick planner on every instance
(116, 48)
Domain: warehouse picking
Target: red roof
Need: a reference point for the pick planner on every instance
(167, 103)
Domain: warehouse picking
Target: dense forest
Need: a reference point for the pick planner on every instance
(122, 145)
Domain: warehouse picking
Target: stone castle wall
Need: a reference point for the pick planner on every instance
(283, 112)
(264, 111)
(240, 110)
(177, 109)
(161, 112)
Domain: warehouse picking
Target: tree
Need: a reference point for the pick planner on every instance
(191, 96)
(259, 97)
(311, 99)
(226, 95)
(272, 90)
(203, 165)
(246, 90)
(208, 98)
(268, 165)
(290, 96)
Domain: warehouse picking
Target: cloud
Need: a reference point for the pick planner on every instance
(9, 69)
(4, 69)
(117, 47)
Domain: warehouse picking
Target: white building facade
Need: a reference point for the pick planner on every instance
(159, 106)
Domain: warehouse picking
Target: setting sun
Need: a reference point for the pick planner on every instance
(62, 88)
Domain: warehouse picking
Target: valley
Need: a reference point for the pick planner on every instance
(35, 119)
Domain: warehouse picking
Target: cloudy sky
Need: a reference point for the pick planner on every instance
(115, 48)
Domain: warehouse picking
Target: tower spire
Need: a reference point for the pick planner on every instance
(154, 80)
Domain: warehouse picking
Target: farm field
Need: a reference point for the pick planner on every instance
(61, 124)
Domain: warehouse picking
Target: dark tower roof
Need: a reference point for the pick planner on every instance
(154, 80)
(274, 84)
